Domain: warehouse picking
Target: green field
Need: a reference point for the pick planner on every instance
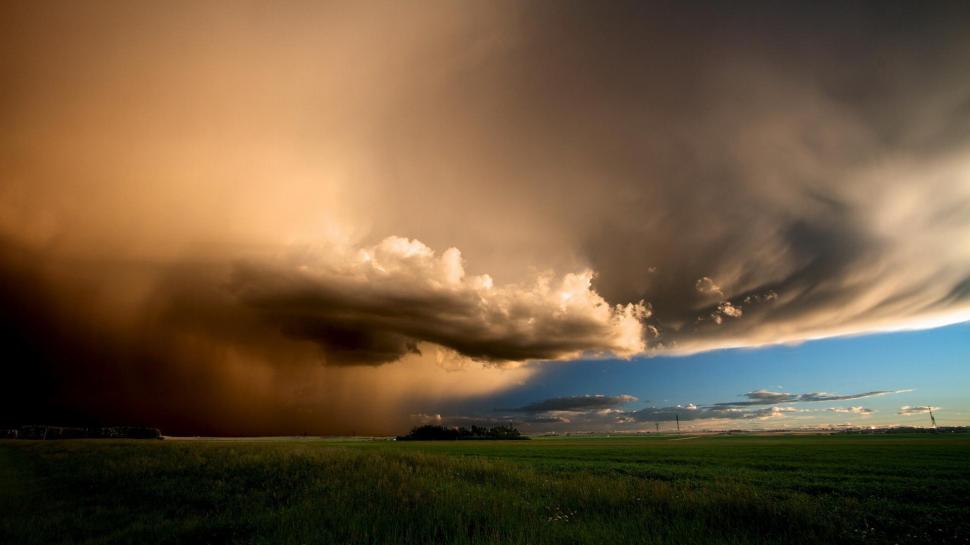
(678, 490)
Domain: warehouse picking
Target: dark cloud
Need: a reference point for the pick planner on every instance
(548, 420)
(375, 305)
(694, 412)
(767, 395)
(764, 397)
(69, 362)
(199, 215)
(173, 347)
(766, 190)
(576, 403)
(757, 175)
(600, 412)
(766, 168)
(688, 412)
(822, 396)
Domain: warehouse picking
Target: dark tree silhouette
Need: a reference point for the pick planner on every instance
(441, 433)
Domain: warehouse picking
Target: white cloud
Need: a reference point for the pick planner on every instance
(386, 298)
(774, 412)
(852, 410)
(727, 309)
(907, 410)
(708, 286)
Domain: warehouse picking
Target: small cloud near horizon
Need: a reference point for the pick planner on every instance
(765, 397)
(907, 410)
(576, 403)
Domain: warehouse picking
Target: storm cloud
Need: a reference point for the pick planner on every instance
(377, 304)
(206, 203)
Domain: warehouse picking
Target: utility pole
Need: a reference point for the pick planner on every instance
(657, 425)
(677, 416)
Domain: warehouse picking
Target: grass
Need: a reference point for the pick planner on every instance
(719, 490)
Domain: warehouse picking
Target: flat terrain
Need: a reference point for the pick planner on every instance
(664, 489)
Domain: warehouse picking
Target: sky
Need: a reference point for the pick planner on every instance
(330, 217)
(916, 369)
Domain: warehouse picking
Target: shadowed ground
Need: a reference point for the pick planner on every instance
(727, 489)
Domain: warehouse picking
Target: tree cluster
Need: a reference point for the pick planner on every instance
(442, 433)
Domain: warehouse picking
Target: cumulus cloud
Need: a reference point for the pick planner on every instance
(907, 410)
(707, 286)
(724, 309)
(774, 412)
(374, 305)
(596, 402)
(727, 309)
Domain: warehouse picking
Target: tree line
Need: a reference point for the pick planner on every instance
(442, 433)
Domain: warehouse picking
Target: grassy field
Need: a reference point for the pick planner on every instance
(678, 490)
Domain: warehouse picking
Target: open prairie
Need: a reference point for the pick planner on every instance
(660, 489)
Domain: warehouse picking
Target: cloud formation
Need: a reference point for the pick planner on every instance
(602, 412)
(863, 411)
(577, 403)
(763, 194)
(374, 305)
(695, 412)
(907, 410)
(765, 397)
(182, 353)
(687, 412)
(622, 179)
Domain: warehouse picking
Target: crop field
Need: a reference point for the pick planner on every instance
(609, 490)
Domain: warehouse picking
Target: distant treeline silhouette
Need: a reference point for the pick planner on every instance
(62, 432)
(441, 433)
